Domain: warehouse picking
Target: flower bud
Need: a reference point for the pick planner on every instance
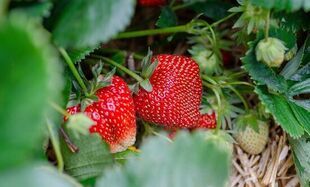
(270, 51)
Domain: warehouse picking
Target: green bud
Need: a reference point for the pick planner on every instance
(207, 60)
(270, 51)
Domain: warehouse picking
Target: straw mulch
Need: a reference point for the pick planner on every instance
(273, 167)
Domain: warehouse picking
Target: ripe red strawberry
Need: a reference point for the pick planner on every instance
(208, 121)
(151, 2)
(177, 90)
(113, 115)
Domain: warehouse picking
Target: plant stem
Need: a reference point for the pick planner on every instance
(55, 143)
(267, 25)
(208, 85)
(73, 148)
(183, 5)
(223, 19)
(209, 79)
(121, 67)
(59, 109)
(73, 70)
(175, 29)
(240, 96)
(238, 83)
(150, 32)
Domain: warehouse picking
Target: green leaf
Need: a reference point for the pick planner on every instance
(281, 111)
(261, 73)
(288, 37)
(301, 150)
(37, 10)
(91, 159)
(36, 175)
(302, 74)
(306, 58)
(167, 18)
(293, 21)
(293, 65)
(302, 115)
(77, 55)
(213, 9)
(87, 23)
(302, 87)
(30, 77)
(287, 5)
(191, 160)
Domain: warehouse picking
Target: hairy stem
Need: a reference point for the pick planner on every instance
(55, 143)
(267, 25)
(223, 19)
(150, 32)
(73, 70)
(175, 29)
(73, 148)
(59, 109)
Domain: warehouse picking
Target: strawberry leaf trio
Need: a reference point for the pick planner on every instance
(172, 102)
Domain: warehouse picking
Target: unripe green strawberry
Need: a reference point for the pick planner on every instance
(270, 51)
(207, 60)
(251, 141)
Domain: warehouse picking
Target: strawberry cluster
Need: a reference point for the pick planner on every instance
(173, 102)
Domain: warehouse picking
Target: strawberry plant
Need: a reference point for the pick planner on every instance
(154, 93)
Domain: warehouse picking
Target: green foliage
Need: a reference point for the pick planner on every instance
(293, 21)
(77, 55)
(88, 23)
(30, 78)
(301, 149)
(261, 73)
(167, 18)
(38, 10)
(213, 9)
(287, 5)
(282, 112)
(91, 159)
(36, 175)
(291, 114)
(201, 159)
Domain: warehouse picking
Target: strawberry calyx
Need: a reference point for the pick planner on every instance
(249, 119)
(99, 81)
(148, 67)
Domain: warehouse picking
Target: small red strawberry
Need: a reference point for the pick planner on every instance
(208, 121)
(113, 115)
(226, 57)
(150, 3)
(176, 95)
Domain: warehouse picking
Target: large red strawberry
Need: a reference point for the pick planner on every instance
(176, 95)
(113, 115)
(151, 2)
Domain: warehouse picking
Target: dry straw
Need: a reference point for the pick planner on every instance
(274, 167)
